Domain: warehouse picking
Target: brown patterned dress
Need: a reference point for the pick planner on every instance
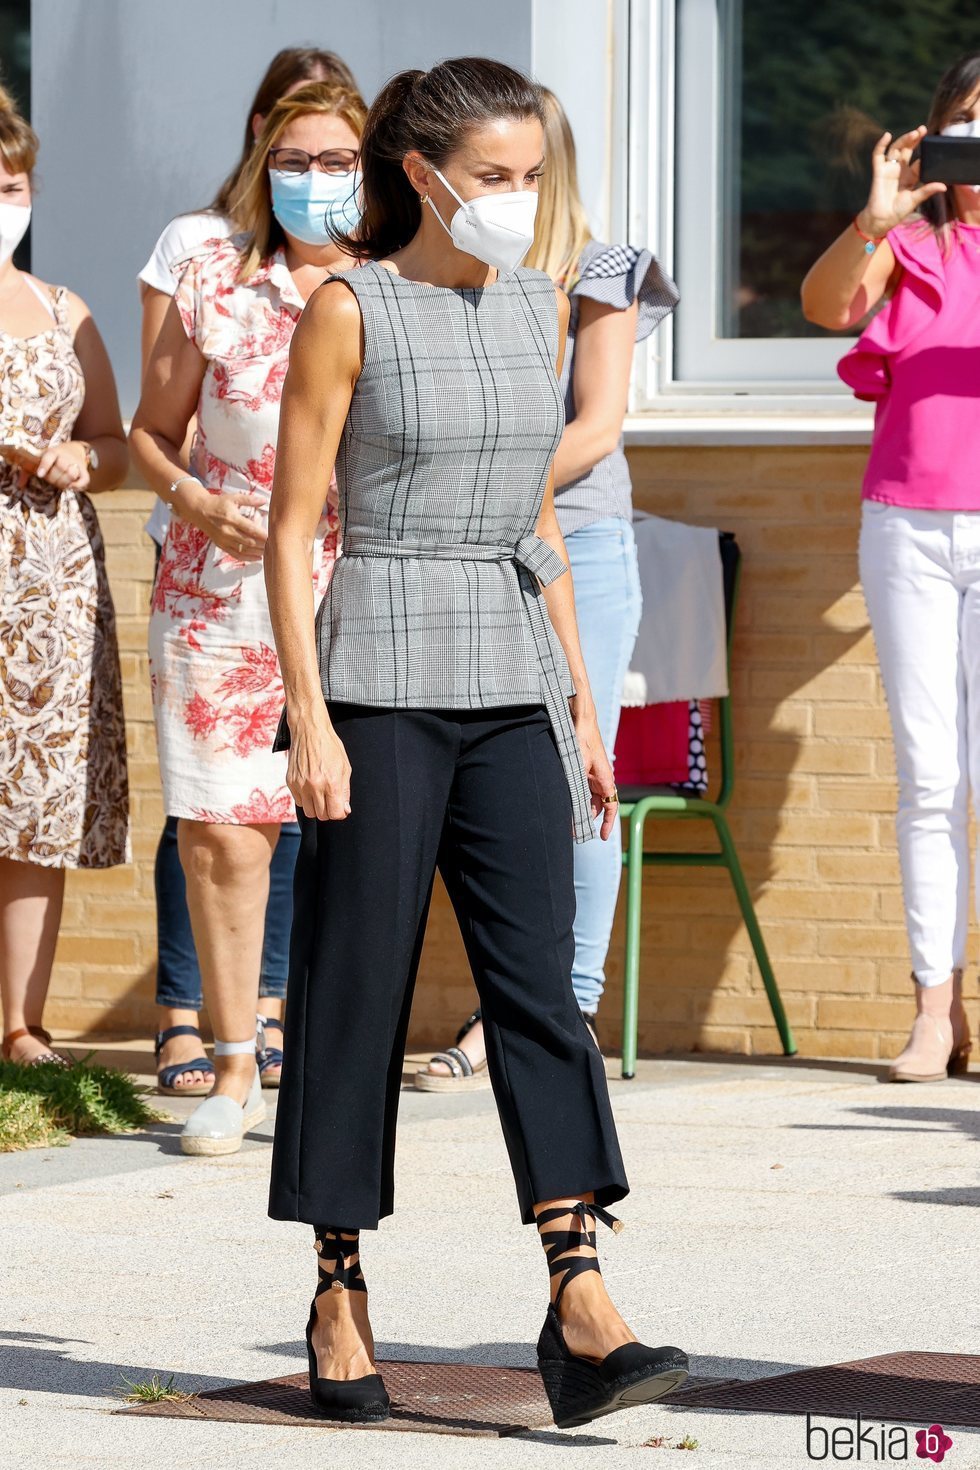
(64, 799)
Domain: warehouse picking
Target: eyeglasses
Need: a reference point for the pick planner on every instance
(297, 161)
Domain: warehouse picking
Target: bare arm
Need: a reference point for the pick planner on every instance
(846, 282)
(99, 423)
(604, 346)
(155, 303)
(171, 388)
(325, 360)
(559, 598)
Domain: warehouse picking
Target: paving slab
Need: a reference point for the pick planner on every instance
(783, 1214)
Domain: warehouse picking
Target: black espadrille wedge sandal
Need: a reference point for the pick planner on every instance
(352, 1400)
(580, 1389)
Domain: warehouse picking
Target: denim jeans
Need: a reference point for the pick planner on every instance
(607, 602)
(178, 973)
(920, 570)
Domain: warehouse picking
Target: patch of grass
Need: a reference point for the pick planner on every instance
(83, 1098)
(152, 1391)
(24, 1123)
(665, 1442)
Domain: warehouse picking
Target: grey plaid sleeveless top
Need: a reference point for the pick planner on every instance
(436, 600)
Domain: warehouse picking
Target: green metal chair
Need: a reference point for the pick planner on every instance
(637, 803)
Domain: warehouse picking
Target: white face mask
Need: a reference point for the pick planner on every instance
(969, 129)
(14, 219)
(497, 228)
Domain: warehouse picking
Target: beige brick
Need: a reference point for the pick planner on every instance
(885, 761)
(791, 902)
(854, 829)
(121, 527)
(853, 722)
(825, 1043)
(865, 795)
(102, 949)
(856, 1013)
(871, 868)
(863, 940)
(822, 539)
(843, 977)
(773, 648)
(140, 501)
(832, 758)
(727, 1010)
(732, 1039)
(894, 978)
(789, 719)
(858, 648)
(833, 683)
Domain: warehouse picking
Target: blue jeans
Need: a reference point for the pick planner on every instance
(178, 973)
(607, 602)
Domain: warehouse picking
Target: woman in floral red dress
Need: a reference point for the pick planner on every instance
(217, 692)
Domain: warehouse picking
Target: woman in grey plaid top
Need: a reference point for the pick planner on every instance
(438, 714)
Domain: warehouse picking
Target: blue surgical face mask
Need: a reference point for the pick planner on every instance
(309, 205)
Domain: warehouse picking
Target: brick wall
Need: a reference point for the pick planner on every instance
(812, 813)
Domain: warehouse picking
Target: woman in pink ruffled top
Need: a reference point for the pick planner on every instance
(918, 247)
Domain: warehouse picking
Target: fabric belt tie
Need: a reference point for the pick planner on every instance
(538, 565)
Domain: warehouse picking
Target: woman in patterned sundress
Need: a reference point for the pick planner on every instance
(217, 692)
(63, 790)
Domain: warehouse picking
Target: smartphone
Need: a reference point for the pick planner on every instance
(949, 160)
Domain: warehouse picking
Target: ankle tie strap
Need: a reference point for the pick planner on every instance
(558, 1242)
(341, 1248)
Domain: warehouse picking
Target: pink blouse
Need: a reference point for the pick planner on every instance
(919, 361)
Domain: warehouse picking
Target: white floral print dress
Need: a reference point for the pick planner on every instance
(217, 689)
(64, 800)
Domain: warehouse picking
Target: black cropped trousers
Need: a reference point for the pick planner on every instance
(482, 796)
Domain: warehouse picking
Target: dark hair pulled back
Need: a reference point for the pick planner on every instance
(958, 84)
(430, 112)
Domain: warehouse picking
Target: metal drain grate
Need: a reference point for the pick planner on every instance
(437, 1398)
(459, 1398)
(909, 1388)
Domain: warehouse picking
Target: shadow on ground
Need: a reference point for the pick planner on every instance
(35, 1362)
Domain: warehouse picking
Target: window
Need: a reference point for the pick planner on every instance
(749, 148)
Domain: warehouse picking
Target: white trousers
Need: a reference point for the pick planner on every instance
(921, 575)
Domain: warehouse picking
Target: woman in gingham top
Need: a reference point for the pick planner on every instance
(438, 713)
(618, 295)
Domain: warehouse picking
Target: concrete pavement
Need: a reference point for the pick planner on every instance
(783, 1214)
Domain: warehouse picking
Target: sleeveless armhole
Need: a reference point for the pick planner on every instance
(61, 311)
(355, 282)
(538, 292)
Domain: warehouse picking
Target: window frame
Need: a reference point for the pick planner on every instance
(685, 366)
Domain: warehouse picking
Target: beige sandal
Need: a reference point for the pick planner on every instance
(45, 1059)
(464, 1075)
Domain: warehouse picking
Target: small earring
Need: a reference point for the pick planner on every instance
(423, 198)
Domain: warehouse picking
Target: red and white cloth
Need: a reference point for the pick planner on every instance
(217, 689)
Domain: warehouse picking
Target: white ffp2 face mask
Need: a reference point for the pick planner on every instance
(14, 219)
(969, 129)
(497, 228)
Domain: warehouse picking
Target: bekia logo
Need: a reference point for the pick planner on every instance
(873, 1443)
(932, 1443)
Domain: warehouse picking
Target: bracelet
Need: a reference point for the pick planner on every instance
(181, 480)
(872, 241)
